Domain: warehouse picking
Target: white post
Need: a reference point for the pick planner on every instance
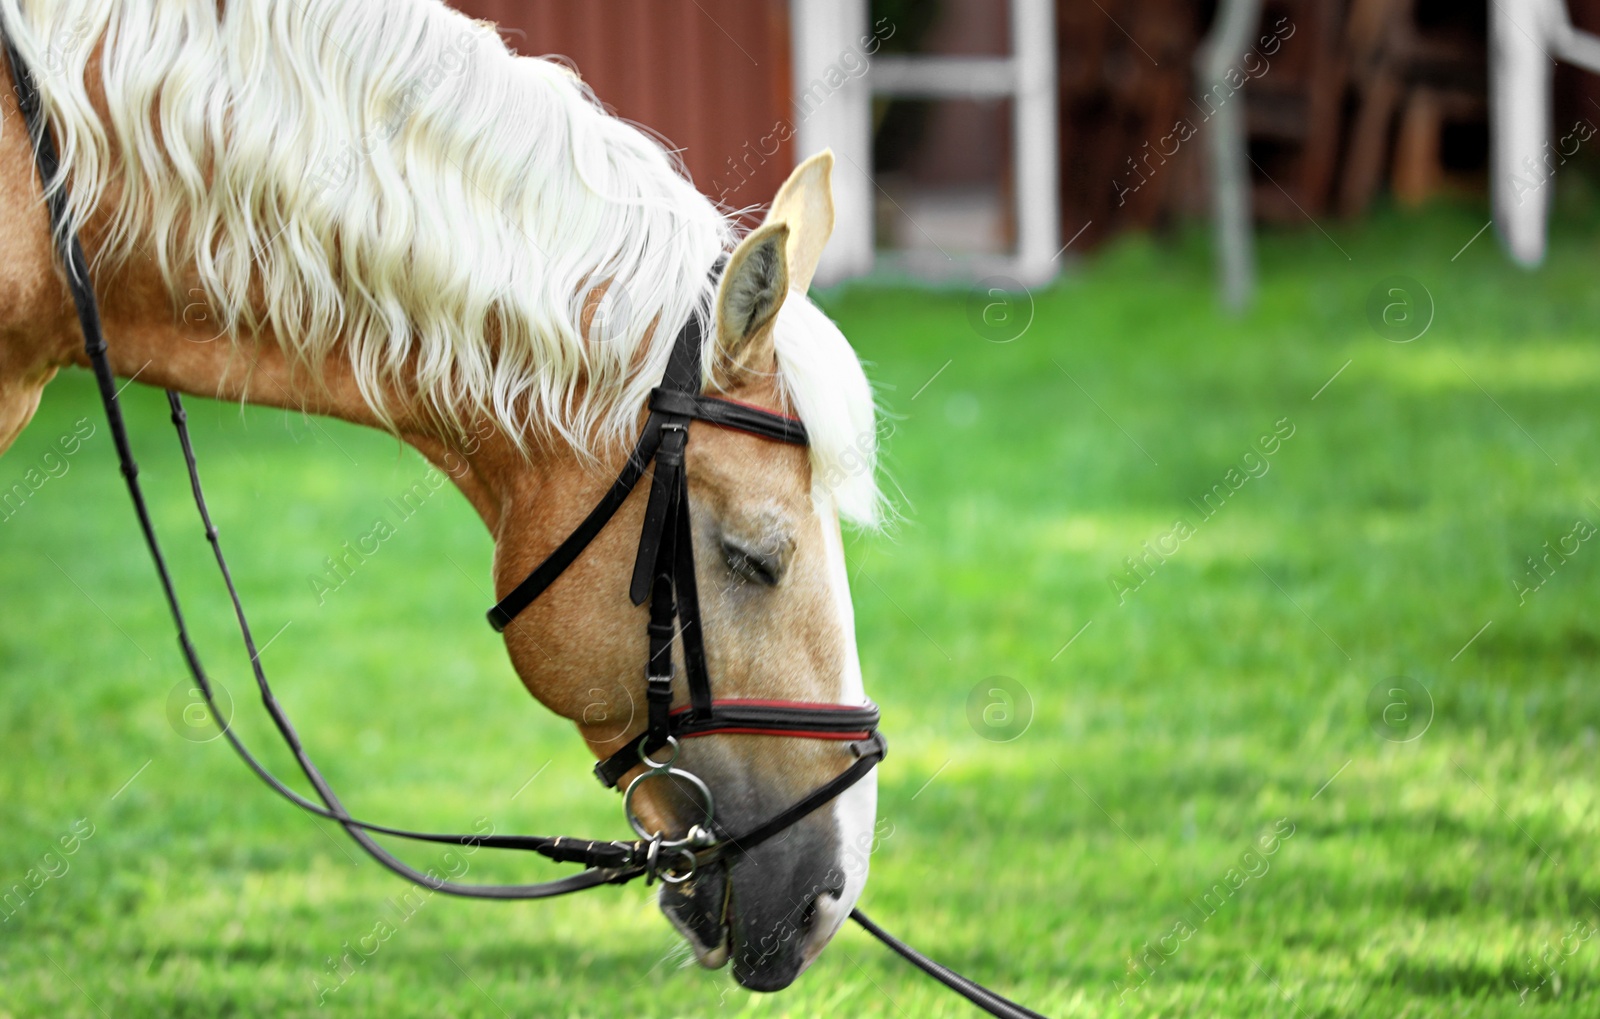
(833, 109)
(1038, 195)
(1523, 36)
(1231, 206)
(1519, 125)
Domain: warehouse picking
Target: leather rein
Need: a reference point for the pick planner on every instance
(663, 575)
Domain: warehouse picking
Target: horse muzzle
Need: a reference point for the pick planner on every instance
(769, 911)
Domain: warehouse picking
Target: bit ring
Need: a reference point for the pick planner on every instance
(654, 765)
(700, 789)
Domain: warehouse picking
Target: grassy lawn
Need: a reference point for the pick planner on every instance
(1214, 808)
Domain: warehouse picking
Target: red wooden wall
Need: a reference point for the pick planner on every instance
(710, 76)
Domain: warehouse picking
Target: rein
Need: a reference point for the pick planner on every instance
(663, 575)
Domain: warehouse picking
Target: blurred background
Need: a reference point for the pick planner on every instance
(976, 133)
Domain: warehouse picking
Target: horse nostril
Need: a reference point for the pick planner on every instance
(808, 917)
(819, 921)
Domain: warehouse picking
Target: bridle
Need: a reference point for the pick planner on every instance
(663, 574)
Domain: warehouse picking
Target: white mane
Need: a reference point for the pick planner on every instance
(382, 178)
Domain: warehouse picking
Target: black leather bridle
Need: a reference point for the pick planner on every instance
(663, 573)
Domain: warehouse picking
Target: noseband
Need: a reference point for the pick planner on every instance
(663, 573)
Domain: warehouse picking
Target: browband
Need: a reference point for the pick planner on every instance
(730, 414)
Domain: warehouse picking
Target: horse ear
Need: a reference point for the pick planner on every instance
(752, 290)
(805, 202)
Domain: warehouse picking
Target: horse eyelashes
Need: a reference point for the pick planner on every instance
(756, 566)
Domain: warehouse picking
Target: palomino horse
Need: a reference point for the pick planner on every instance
(371, 210)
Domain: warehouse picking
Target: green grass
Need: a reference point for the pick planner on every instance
(1228, 691)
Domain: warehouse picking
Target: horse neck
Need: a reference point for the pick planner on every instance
(183, 351)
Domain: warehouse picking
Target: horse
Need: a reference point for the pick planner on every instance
(372, 210)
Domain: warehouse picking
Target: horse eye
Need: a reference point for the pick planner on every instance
(756, 566)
